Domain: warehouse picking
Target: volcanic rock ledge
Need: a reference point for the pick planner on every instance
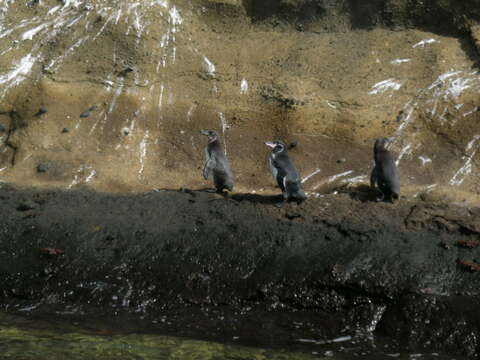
(403, 267)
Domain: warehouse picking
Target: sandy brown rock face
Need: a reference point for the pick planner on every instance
(127, 85)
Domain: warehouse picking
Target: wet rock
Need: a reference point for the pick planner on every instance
(18, 292)
(449, 323)
(51, 251)
(125, 71)
(87, 112)
(468, 265)
(475, 33)
(292, 215)
(43, 110)
(26, 206)
(445, 245)
(43, 167)
(2, 128)
(468, 244)
(350, 258)
(187, 191)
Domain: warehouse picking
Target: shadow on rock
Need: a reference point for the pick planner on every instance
(361, 192)
(258, 199)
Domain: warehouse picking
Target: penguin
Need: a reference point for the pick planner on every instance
(285, 172)
(385, 172)
(216, 163)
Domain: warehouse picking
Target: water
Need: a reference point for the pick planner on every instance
(42, 337)
(34, 339)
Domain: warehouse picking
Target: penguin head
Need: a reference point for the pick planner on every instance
(381, 144)
(212, 135)
(277, 146)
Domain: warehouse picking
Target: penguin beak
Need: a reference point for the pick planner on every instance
(204, 132)
(270, 144)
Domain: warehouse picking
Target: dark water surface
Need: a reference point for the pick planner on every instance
(207, 333)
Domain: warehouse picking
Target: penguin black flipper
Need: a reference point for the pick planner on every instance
(373, 177)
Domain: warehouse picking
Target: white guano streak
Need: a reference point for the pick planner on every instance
(424, 42)
(405, 150)
(463, 172)
(467, 167)
(335, 177)
(330, 104)
(223, 121)
(399, 61)
(117, 93)
(306, 178)
(28, 35)
(90, 177)
(458, 86)
(424, 160)
(160, 97)
(18, 74)
(190, 112)
(162, 3)
(472, 142)
(356, 179)
(385, 85)
(407, 119)
(332, 179)
(74, 3)
(244, 86)
(175, 19)
(143, 152)
(60, 59)
(210, 66)
(110, 18)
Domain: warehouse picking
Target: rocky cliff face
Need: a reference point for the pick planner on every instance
(112, 94)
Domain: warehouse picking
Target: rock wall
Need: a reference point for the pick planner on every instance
(112, 94)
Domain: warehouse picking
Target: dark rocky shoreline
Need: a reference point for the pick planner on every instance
(400, 270)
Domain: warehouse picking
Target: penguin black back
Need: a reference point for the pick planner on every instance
(216, 163)
(385, 173)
